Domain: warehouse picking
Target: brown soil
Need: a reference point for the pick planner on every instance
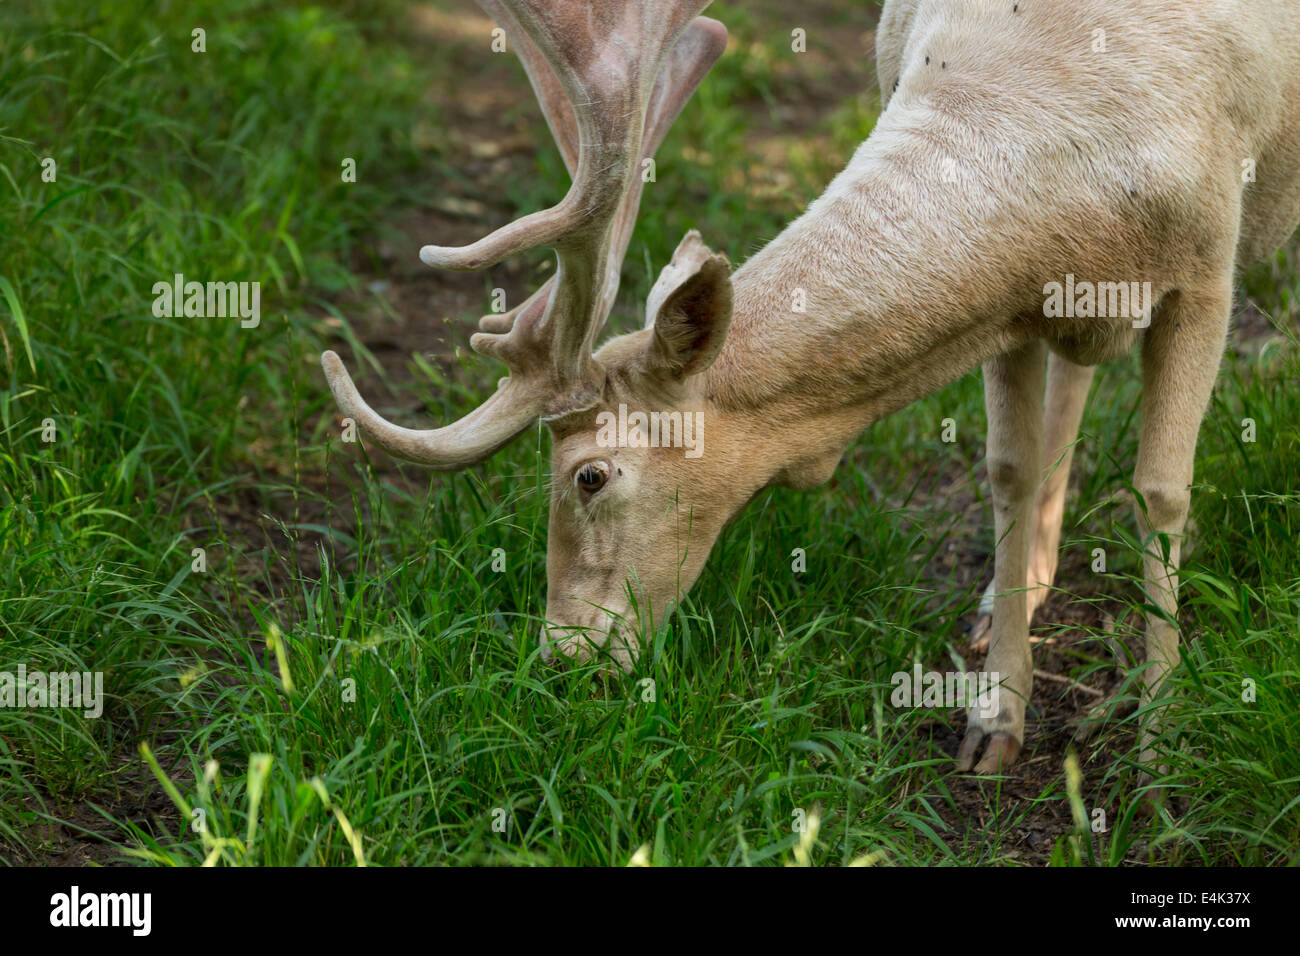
(92, 833)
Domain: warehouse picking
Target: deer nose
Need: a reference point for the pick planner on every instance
(558, 645)
(565, 644)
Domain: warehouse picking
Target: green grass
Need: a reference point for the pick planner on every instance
(355, 682)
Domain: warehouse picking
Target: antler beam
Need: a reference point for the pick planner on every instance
(610, 77)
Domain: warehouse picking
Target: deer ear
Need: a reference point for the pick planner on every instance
(689, 309)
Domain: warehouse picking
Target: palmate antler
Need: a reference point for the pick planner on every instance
(611, 76)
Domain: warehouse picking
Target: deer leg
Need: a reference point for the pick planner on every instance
(1180, 361)
(1067, 392)
(1013, 396)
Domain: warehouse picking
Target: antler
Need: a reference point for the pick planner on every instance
(611, 76)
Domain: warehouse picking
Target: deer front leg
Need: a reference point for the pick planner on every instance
(1067, 392)
(1180, 361)
(1013, 397)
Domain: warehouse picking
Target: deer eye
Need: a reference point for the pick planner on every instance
(591, 477)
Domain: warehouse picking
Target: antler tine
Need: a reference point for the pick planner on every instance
(472, 439)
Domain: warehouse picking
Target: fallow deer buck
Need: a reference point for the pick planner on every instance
(1020, 143)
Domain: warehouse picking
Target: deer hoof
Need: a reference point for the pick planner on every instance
(1000, 752)
(979, 634)
(970, 745)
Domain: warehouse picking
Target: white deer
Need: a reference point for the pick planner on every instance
(1022, 144)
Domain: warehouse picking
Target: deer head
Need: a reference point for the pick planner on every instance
(630, 523)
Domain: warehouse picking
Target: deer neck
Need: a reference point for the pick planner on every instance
(880, 294)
